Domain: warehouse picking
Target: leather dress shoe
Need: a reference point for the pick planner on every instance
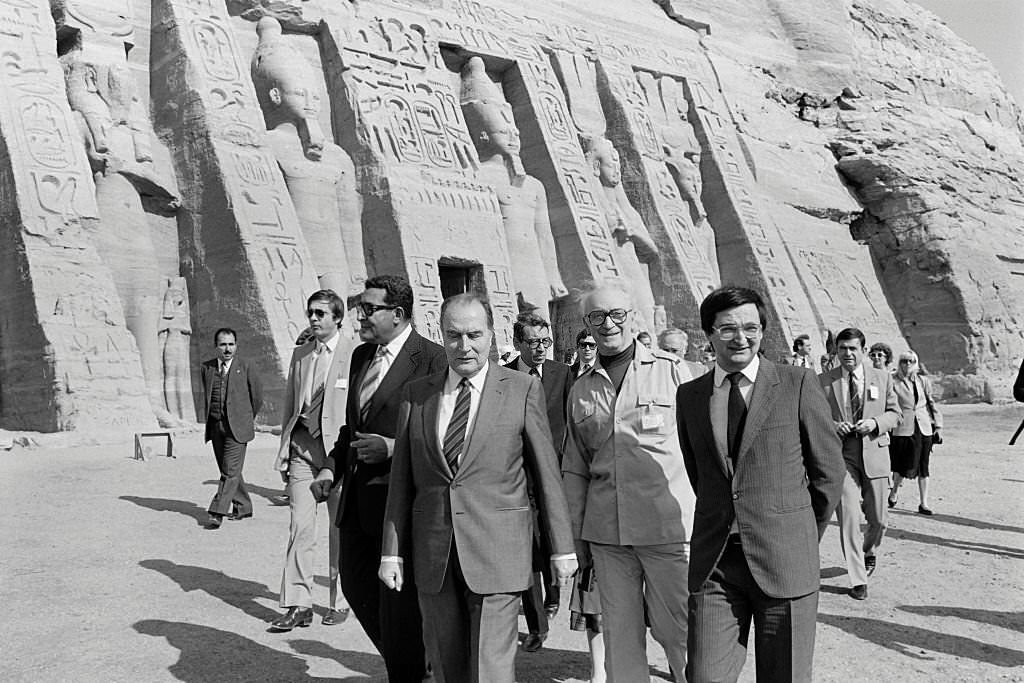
(214, 522)
(534, 641)
(335, 617)
(235, 516)
(859, 592)
(295, 616)
(870, 563)
(551, 610)
(921, 509)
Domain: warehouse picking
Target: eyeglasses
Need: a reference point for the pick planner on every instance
(597, 318)
(587, 345)
(876, 354)
(730, 332)
(907, 360)
(537, 343)
(368, 309)
(318, 313)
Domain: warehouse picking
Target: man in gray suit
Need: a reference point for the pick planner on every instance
(458, 507)
(864, 409)
(765, 462)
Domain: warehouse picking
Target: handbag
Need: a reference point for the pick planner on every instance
(936, 436)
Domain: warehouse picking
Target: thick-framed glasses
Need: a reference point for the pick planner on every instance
(597, 318)
(730, 332)
(538, 343)
(876, 354)
(367, 309)
(587, 345)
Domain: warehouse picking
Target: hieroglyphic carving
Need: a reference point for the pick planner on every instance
(63, 358)
(174, 333)
(216, 124)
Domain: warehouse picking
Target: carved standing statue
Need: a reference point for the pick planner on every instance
(635, 247)
(319, 174)
(523, 200)
(174, 336)
(115, 132)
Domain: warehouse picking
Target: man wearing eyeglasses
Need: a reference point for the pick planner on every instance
(314, 407)
(762, 455)
(629, 501)
(392, 355)
(531, 335)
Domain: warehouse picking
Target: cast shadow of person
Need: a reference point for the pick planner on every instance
(237, 593)
(210, 654)
(182, 507)
(910, 641)
(1013, 621)
(272, 496)
(964, 521)
(365, 663)
(548, 665)
(956, 544)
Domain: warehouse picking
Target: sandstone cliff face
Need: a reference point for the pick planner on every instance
(854, 161)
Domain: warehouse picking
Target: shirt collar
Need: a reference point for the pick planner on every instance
(526, 368)
(331, 343)
(476, 381)
(395, 345)
(750, 372)
(858, 372)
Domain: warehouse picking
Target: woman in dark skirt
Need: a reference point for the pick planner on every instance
(911, 442)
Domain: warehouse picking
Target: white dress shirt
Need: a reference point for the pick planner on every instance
(388, 356)
(720, 400)
(325, 361)
(446, 407)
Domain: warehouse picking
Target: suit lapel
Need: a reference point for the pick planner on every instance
(430, 409)
(402, 367)
(764, 393)
(837, 394)
(491, 398)
(702, 411)
(208, 376)
(304, 378)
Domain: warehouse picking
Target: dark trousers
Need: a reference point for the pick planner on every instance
(390, 618)
(230, 455)
(541, 594)
(470, 638)
(719, 624)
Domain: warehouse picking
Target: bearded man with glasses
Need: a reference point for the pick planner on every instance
(392, 355)
(629, 501)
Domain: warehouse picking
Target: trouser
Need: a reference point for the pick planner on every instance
(631, 576)
(719, 626)
(231, 493)
(470, 638)
(306, 460)
(390, 618)
(861, 493)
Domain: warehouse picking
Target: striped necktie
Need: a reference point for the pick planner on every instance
(316, 385)
(856, 406)
(371, 380)
(455, 436)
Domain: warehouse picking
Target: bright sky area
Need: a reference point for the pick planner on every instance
(995, 27)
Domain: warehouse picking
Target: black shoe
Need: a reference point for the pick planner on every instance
(551, 610)
(534, 641)
(859, 592)
(295, 616)
(870, 563)
(236, 517)
(214, 521)
(892, 501)
(335, 617)
(921, 509)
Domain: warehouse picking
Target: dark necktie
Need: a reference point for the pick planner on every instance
(223, 368)
(737, 415)
(856, 407)
(534, 373)
(455, 436)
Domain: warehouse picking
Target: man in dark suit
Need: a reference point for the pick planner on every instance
(392, 355)
(233, 397)
(532, 336)
(586, 354)
(767, 468)
(864, 410)
(458, 507)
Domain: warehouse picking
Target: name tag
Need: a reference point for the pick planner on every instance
(652, 421)
(872, 393)
(341, 383)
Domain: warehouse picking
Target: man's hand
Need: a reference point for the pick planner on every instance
(843, 428)
(563, 570)
(583, 556)
(866, 426)
(390, 573)
(370, 448)
(321, 486)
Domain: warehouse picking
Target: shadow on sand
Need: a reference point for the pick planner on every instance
(238, 593)
(1009, 620)
(182, 507)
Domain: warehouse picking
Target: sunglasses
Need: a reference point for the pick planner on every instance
(597, 318)
(318, 313)
(368, 309)
(587, 345)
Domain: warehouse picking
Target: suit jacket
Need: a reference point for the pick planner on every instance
(332, 415)
(243, 397)
(880, 404)
(784, 488)
(365, 488)
(484, 508)
(923, 410)
(556, 380)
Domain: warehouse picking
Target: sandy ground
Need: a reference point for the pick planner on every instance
(108, 575)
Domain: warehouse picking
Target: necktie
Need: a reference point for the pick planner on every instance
(455, 435)
(534, 373)
(316, 388)
(370, 381)
(584, 369)
(737, 415)
(856, 407)
(223, 368)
